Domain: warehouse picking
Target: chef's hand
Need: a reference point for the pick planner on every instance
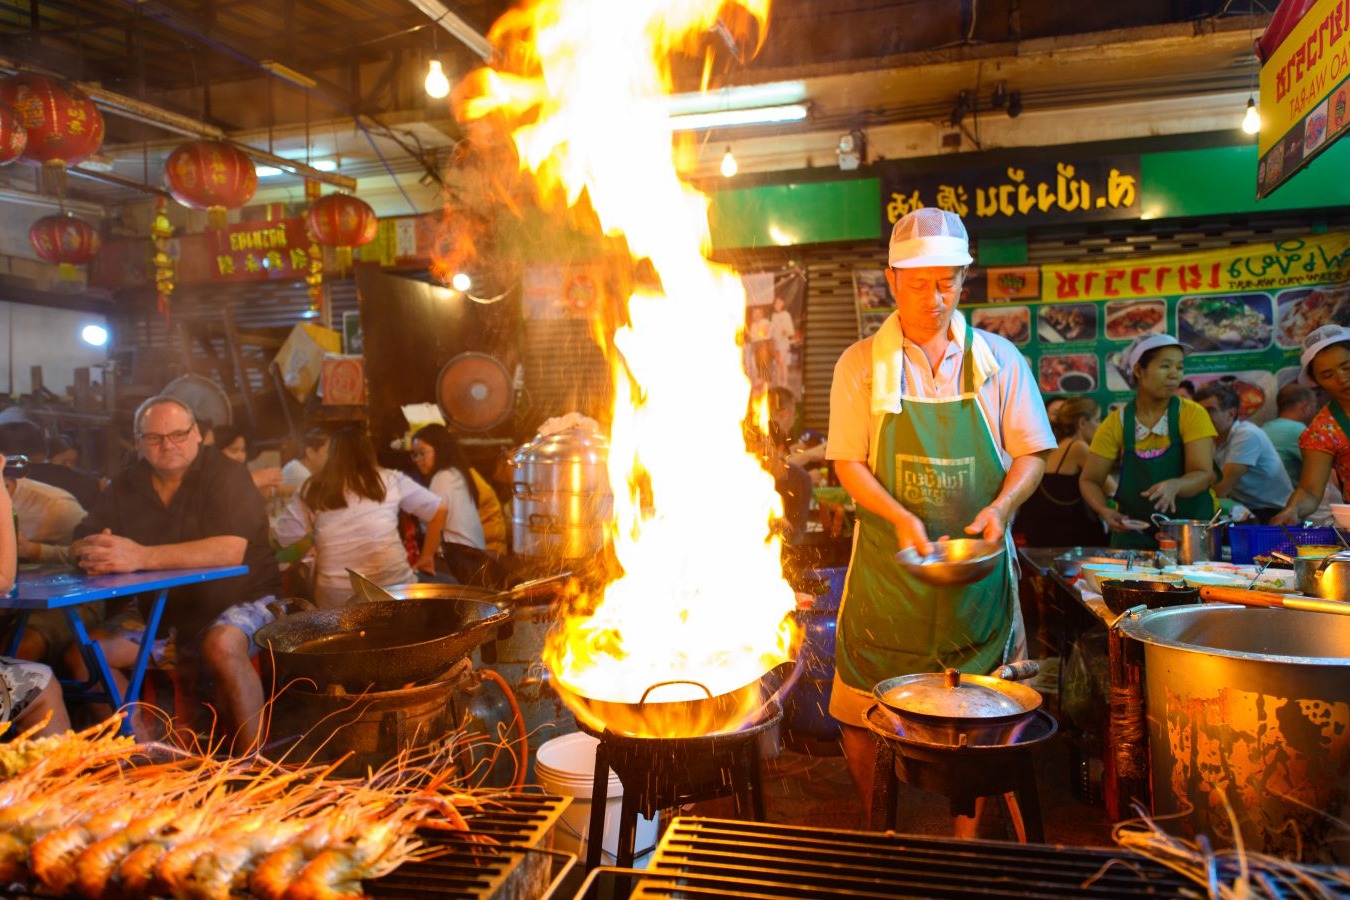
(990, 523)
(426, 564)
(1164, 495)
(1117, 520)
(105, 553)
(909, 532)
(1286, 516)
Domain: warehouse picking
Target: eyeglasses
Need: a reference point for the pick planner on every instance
(173, 437)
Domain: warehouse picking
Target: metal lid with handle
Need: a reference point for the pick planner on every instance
(954, 696)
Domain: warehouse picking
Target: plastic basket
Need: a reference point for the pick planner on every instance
(1251, 541)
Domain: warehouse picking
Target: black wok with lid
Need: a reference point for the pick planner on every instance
(952, 709)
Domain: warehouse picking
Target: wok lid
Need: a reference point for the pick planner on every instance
(951, 695)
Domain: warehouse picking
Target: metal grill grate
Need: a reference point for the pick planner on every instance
(516, 866)
(717, 858)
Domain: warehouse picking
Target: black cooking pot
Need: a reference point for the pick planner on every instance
(1123, 594)
(384, 644)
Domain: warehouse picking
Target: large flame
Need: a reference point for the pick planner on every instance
(701, 601)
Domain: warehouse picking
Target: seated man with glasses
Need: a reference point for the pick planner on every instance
(185, 506)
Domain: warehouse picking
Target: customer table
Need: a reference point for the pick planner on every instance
(61, 588)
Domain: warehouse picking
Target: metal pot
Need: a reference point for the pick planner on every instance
(561, 495)
(384, 644)
(1243, 707)
(952, 709)
(1327, 577)
(652, 717)
(1197, 539)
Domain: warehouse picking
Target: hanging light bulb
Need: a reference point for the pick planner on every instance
(437, 84)
(729, 165)
(1251, 119)
(461, 282)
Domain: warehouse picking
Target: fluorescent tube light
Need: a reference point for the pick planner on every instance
(775, 93)
(731, 118)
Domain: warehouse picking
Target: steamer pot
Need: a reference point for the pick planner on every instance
(561, 495)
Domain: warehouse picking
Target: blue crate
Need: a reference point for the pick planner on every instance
(1251, 541)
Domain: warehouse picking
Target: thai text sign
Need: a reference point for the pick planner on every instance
(1023, 194)
(1246, 268)
(1244, 312)
(1305, 85)
(259, 250)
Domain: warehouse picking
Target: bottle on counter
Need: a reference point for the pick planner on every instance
(1167, 552)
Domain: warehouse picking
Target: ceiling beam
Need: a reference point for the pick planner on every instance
(441, 15)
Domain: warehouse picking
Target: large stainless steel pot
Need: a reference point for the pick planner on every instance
(1247, 708)
(561, 495)
(1197, 539)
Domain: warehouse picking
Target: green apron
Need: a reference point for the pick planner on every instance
(1138, 475)
(939, 459)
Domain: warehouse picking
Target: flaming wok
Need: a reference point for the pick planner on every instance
(653, 717)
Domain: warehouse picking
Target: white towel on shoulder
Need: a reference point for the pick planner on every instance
(888, 360)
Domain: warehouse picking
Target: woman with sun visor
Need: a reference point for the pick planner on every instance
(1163, 443)
(1325, 443)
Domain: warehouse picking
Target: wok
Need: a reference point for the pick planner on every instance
(953, 709)
(384, 644)
(655, 718)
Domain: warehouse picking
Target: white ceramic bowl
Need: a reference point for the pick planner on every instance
(1341, 513)
(1091, 572)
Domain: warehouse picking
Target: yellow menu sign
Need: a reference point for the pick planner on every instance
(1305, 85)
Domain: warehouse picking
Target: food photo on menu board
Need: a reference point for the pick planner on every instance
(1255, 388)
(1304, 310)
(1011, 322)
(1218, 323)
(1062, 323)
(1071, 373)
(1126, 319)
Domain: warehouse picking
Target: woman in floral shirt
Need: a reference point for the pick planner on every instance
(1325, 443)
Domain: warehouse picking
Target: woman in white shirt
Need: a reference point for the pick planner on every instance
(351, 506)
(447, 474)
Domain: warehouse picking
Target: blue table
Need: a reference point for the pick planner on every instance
(61, 588)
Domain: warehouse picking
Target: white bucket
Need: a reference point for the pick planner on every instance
(566, 766)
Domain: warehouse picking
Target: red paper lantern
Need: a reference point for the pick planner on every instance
(344, 222)
(63, 126)
(13, 136)
(64, 241)
(211, 175)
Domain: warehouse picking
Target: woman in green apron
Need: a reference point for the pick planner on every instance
(1163, 443)
(935, 430)
(1325, 443)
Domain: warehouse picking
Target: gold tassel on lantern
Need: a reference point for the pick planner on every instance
(52, 179)
(67, 272)
(217, 217)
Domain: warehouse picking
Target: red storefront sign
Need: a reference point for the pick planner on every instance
(256, 251)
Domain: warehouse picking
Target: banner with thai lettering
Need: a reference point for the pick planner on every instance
(1305, 88)
(1027, 193)
(255, 251)
(1243, 310)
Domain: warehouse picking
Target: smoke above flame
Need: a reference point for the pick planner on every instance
(701, 607)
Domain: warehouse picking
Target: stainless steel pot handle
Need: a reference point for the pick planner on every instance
(1160, 519)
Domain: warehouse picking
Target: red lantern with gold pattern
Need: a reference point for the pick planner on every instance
(211, 175)
(64, 241)
(13, 136)
(63, 126)
(344, 222)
